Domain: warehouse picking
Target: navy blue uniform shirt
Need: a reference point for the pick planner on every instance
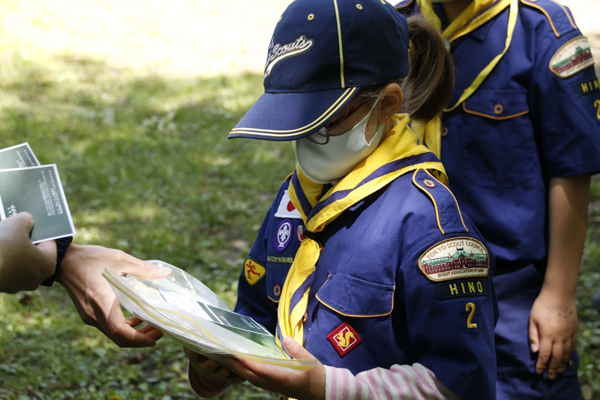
(390, 285)
(524, 125)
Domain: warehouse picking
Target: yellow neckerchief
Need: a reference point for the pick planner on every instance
(477, 13)
(397, 154)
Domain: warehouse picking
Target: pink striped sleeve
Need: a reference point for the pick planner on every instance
(400, 382)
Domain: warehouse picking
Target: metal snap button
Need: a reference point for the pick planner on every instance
(429, 183)
(305, 318)
(277, 290)
(444, 131)
(498, 109)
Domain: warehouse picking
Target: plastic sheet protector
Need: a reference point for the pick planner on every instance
(187, 310)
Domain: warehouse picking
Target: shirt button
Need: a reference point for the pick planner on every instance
(305, 318)
(277, 290)
(498, 109)
(429, 183)
(444, 131)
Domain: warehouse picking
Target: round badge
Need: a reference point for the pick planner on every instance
(284, 234)
(300, 235)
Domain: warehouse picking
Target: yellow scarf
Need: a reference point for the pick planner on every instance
(397, 154)
(477, 13)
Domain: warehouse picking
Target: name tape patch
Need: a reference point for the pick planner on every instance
(462, 288)
(457, 258)
(585, 88)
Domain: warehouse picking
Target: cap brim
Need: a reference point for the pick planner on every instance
(291, 116)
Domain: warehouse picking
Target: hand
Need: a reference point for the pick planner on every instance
(23, 265)
(211, 377)
(295, 384)
(553, 332)
(80, 274)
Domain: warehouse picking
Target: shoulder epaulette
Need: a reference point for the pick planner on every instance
(560, 17)
(447, 211)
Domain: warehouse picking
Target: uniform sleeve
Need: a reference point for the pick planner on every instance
(253, 300)
(450, 312)
(399, 382)
(566, 109)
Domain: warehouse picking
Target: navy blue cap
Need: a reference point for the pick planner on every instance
(322, 52)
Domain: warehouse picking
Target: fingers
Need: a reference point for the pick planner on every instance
(543, 356)
(22, 220)
(145, 269)
(116, 328)
(555, 360)
(211, 369)
(295, 349)
(534, 337)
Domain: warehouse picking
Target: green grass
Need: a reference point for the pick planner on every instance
(147, 169)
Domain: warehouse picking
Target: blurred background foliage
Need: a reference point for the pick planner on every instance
(133, 100)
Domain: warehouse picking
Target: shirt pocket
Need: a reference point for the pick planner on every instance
(355, 297)
(499, 148)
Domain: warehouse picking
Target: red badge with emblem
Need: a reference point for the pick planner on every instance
(344, 339)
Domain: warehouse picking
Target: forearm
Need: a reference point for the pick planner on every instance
(399, 382)
(568, 207)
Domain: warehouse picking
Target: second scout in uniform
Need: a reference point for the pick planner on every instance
(519, 140)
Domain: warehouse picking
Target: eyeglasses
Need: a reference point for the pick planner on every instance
(321, 136)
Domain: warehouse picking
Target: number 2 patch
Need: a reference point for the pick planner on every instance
(470, 308)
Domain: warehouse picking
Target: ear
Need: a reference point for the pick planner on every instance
(391, 101)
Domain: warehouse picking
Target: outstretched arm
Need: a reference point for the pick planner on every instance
(553, 319)
(80, 274)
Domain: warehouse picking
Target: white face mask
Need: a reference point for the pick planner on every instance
(324, 163)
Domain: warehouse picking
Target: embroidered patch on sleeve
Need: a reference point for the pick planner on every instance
(253, 271)
(344, 339)
(284, 234)
(572, 57)
(286, 209)
(456, 258)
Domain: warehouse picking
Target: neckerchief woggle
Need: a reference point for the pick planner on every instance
(397, 154)
(477, 13)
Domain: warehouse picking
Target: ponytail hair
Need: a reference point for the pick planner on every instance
(429, 85)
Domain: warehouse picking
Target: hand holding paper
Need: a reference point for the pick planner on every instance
(80, 274)
(25, 185)
(23, 265)
(185, 309)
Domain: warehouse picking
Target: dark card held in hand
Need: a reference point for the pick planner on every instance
(27, 186)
